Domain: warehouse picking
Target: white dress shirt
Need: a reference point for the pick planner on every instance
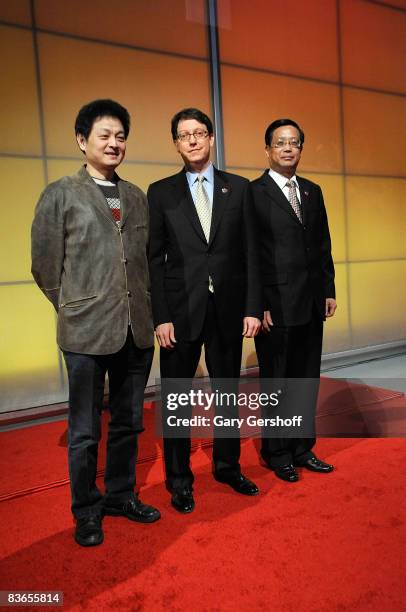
(281, 181)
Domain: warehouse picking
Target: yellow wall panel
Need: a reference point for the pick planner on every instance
(169, 25)
(22, 181)
(145, 174)
(19, 121)
(152, 87)
(250, 174)
(376, 218)
(57, 168)
(249, 355)
(27, 339)
(336, 329)
(251, 100)
(378, 295)
(374, 54)
(16, 11)
(155, 374)
(375, 130)
(282, 35)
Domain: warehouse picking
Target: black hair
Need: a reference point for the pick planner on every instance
(280, 123)
(96, 109)
(190, 113)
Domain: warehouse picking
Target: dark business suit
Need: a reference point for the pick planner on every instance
(181, 262)
(297, 276)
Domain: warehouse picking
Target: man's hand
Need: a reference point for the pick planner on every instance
(251, 327)
(165, 334)
(267, 321)
(331, 306)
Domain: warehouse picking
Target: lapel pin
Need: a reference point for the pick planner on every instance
(224, 190)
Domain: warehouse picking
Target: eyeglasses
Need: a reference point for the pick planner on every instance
(197, 135)
(282, 142)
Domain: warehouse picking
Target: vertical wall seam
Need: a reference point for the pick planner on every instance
(39, 92)
(215, 81)
(344, 166)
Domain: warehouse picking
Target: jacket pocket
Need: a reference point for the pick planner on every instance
(78, 302)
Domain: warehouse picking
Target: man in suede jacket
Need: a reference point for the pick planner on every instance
(89, 241)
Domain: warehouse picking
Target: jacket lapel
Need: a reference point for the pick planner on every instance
(94, 193)
(304, 199)
(276, 194)
(221, 194)
(186, 204)
(125, 193)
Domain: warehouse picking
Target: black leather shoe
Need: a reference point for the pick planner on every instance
(134, 510)
(88, 531)
(316, 465)
(239, 483)
(182, 500)
(286, 472)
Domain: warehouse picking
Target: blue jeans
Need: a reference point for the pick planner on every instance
(128, 372)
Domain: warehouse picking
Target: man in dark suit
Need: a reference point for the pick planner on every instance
(89, 257)
(298, 287)
(204, 285)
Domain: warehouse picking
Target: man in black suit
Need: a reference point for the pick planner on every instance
(298, 286)
(205, 286)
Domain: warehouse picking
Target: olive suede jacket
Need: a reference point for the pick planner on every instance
(94, 271)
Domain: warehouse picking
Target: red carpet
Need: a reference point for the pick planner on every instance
(34, 459)
(329, 543)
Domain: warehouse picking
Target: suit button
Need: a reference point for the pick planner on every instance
(129, 293)
(124, 260)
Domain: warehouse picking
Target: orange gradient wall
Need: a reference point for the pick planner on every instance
(336, 66)
(338, 69)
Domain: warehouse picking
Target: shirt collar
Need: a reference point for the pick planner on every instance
(208, 175)
(281, 180)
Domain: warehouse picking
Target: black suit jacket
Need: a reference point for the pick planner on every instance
(181, 260)
(296, 264)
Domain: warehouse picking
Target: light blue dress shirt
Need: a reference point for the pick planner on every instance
(208, 183)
